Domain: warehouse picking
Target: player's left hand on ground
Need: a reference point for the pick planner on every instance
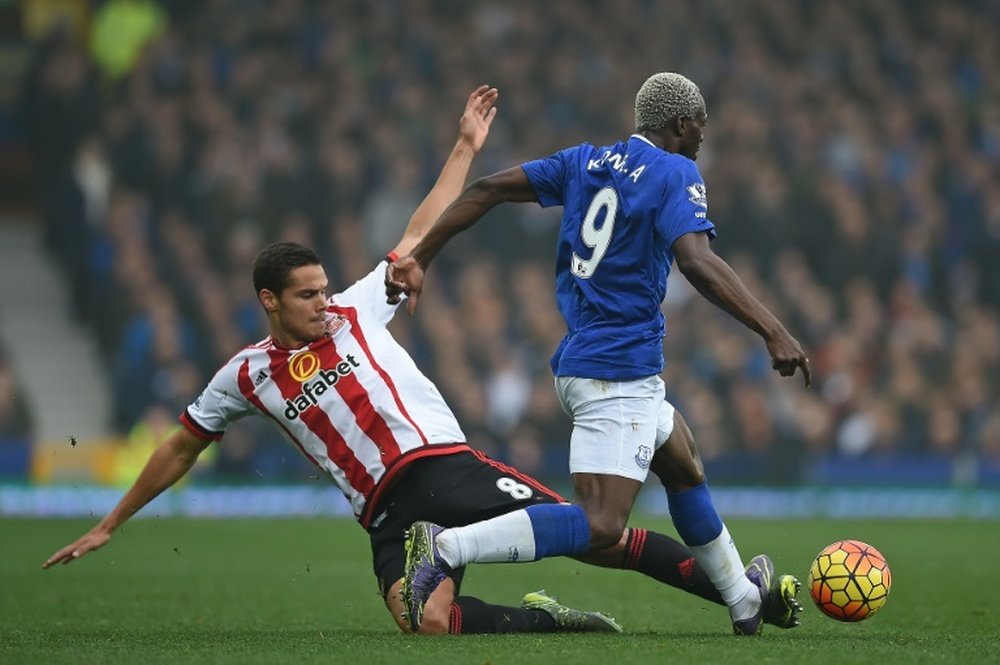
(787, 356)
(89, 542)
(480, 110)
(404, 276)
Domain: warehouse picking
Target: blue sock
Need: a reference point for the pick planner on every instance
(559, 529)
(694, 515)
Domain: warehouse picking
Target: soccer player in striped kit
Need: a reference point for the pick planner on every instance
(350, 399)
(629, 211)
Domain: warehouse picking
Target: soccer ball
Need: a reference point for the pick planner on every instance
(849, 580)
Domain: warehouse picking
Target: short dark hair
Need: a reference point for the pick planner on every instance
(272, 265)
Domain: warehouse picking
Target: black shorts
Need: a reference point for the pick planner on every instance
(450, 490)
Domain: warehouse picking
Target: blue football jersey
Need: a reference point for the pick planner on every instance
(623, 208)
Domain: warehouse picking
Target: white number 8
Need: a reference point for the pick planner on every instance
(592, 236)
(514, 488)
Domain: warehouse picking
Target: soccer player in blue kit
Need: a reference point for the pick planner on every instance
(629, 211)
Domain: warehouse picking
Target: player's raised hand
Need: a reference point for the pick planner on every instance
(787, 356)
(480, 110)
(92, 540)
(404, 276)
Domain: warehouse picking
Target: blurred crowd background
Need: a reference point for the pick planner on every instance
(852, 161)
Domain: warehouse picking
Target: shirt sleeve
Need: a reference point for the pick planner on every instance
(548, 176)
(367, 295)
(685, 208)
(221, 403)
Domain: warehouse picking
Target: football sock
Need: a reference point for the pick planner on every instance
(471, 616)
(505, 538)
(722, 564)
(668, 561)
(701, 528)
(530, 534)
(694, 516)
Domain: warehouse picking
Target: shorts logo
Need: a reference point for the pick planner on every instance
(375, 524)
(303, 366)
(643, 457)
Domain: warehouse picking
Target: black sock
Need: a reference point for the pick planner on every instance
(470, 616)
(668, 561)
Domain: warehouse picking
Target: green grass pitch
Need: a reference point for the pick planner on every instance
(302, 591)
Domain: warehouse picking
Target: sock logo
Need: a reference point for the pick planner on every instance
(512, 554)
(686, 568)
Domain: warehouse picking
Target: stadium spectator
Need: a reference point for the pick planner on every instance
(120, 30)
(15, 415)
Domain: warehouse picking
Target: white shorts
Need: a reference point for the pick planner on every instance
(617, 425)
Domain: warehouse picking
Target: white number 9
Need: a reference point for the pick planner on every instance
(593, 236)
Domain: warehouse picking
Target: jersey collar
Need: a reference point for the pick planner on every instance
(642, 138)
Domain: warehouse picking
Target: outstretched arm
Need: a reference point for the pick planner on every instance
(407, 274)
(473, 129)
(168, 464)
(717, 281)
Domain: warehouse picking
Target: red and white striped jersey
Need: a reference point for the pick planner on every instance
(354, 402)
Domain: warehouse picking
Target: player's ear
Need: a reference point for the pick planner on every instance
(268, 299)
(674, 127)
(681, 124)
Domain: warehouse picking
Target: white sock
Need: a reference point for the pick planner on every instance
(504, 539)
(721, 562)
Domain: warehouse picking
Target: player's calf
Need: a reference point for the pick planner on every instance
(437, 613)
(437, 610)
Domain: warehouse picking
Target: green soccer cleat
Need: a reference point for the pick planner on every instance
(781, 608)
(568, 619)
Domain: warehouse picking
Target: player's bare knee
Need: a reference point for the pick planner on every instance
(606, 500)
